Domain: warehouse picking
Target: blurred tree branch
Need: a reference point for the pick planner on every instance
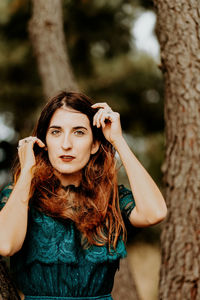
(48, 40)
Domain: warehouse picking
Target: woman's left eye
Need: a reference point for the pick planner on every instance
(79, 132)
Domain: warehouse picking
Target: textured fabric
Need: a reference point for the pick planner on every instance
(126, 202)
(52, 262)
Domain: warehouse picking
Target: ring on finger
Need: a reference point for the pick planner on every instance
(25, 141)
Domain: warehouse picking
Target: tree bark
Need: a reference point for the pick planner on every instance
(124, 286)
(7, 289)
(178, 30)
(48, 40)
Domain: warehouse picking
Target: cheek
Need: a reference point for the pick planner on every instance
(51, 145)
(85, 148)
(51, 150)
(51, 158)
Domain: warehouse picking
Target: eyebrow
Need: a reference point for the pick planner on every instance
(75, 128)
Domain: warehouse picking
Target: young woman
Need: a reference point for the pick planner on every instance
(62, 219)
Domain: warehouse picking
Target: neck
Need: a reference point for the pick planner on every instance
(69, 179)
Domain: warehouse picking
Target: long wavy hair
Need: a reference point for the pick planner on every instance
(94, 205)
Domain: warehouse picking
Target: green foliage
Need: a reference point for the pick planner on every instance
(20, 83)
(102, 25)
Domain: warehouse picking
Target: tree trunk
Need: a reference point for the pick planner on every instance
(124, 287)
(7, 290)
(48, 40)
(178, 30)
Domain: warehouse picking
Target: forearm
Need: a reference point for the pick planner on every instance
(14, 216)
(150, 205)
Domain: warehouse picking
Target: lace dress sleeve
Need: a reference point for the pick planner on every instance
(126, 201)
(5, 194)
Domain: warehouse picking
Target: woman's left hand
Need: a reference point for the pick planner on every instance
(109, 121)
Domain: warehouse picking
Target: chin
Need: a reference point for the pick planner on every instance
(67, 171)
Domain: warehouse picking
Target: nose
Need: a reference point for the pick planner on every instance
(66, 142)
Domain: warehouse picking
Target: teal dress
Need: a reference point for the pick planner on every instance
(52, 264)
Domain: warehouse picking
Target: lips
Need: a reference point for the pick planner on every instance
(67, 158)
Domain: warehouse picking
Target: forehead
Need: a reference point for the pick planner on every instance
(69, 116)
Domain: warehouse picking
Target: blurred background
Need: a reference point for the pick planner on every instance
(114, 55)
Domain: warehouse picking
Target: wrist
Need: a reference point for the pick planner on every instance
(119, 142)
(26, 174)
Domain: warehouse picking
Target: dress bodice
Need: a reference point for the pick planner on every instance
(52, 261)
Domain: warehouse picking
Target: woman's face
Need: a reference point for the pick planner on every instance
(69, 143)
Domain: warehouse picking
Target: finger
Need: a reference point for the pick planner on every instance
(21, 142)
(99, 116)
(96, 116)
(104, 107)
(40, 143)
(101, 105)
(34, 139)
(105, 116)
(25, 141)
(31, 140)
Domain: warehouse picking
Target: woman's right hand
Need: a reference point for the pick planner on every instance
(26, 152)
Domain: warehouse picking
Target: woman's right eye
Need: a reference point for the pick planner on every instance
(55, 132)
